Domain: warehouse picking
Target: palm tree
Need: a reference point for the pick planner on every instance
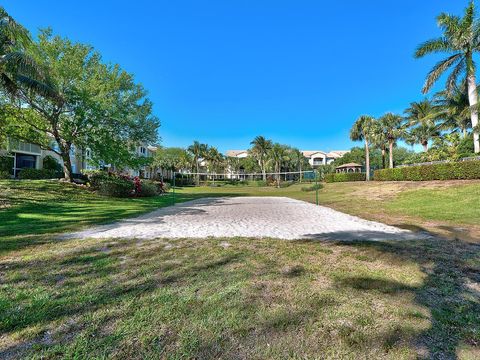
(379, 141)
(277, 155)
(422, 119)
(460, 40)
(455, 109)
(198, 151)
(362, 130)
(297, 157)
(421, 134)
(260, 149)
(16, 67)
(214, 159)
(392, 125)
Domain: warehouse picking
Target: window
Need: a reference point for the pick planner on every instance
(26, 161)
(143, 150)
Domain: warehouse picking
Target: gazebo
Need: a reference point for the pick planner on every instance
(348, 168)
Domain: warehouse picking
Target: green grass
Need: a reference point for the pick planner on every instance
(230, 298)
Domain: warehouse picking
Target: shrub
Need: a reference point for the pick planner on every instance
(463, 170)
(97, 177)
(5, 174)
(37, 174)
(285, 184)
(50, 163)
(312, 188)
(6, 163)
(148, 188)
(116, 187)
(342, 177)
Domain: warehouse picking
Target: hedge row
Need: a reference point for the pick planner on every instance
(342, 177)
(464, 170)
(37, 174)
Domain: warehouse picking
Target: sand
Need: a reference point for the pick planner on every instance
(253, 217)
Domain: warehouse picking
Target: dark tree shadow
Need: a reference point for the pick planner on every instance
(451, 289)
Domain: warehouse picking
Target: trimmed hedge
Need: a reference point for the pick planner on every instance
(464, 170)
(343, 177)
(37, 174)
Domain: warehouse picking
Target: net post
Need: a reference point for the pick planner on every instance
(173, 189)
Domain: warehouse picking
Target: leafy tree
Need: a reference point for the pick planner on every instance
(393, 127)
(460, 40)
(198, 151)
(363, 130)
(99, 108)
(173, 159)
(422, 134)
(298, 160)
(260, 149)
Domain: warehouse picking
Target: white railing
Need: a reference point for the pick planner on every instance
(20, 146)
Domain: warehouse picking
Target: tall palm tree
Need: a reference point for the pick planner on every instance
(16, 67)
(394, 128)
(277, 154)
(362, 130)
(455, 109)
(422, 119)
(379, 140)
(198, 151)
(260, 148)
(460, 40)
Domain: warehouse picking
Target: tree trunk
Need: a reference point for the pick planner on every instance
(390, 155)
(473, 99)
(383, 157)
(198, 175)
(67, 163)
(425, 146)
(367, 161)
(300, 172)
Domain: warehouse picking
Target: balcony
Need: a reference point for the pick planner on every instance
(23, 147)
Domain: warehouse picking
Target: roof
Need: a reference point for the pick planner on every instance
(309, 153)
(235, 153)
(337, 153)
(348, 165)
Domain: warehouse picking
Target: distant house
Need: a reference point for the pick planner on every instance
(315, 157)
(318, 157)
(350, 167)
(239, 154)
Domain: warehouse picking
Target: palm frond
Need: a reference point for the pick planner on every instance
(433, 46)
(439, 69)
(452, 79)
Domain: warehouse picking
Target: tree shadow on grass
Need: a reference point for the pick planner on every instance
(451, 289)
(81, 282)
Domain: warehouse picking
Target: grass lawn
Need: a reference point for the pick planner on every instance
(235, 298)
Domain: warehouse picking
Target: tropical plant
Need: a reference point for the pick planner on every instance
(198, 151)
(214, 159)
(260, 149)
(277, 155)
(455, 110)
(422, 120)
(362, 130)
(379, 140)
(298, 160)
(460, 40)
(17, 68)
(392, 125)
(172, 159)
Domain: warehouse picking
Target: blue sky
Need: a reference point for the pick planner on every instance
(222, 72)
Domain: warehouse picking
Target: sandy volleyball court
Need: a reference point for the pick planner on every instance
(273, 217)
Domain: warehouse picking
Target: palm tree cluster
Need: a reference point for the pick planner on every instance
(452, 110)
